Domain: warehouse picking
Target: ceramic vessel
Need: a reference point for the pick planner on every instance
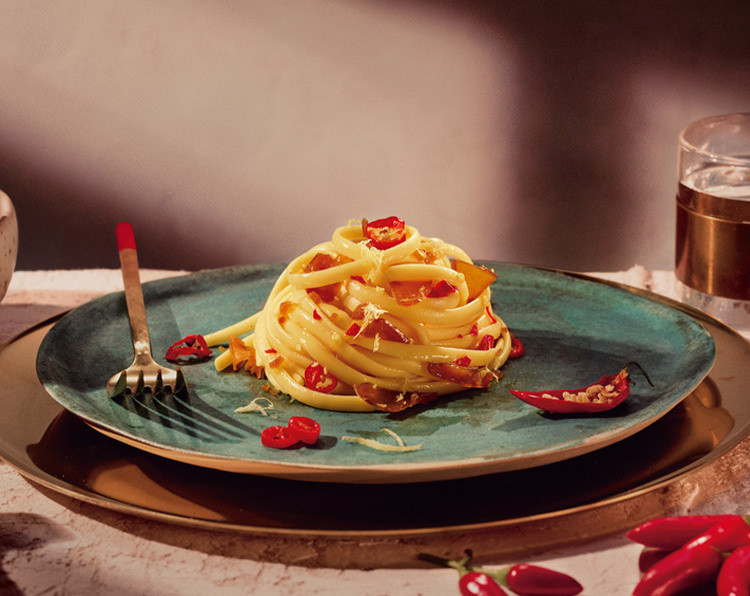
(8, 242)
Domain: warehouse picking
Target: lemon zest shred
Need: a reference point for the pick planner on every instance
(400, 447)
(255, 406)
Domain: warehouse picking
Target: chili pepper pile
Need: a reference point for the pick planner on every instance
(299, 429)
(690, 551)
(522, 579)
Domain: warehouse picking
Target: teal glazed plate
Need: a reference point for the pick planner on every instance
(574, 329)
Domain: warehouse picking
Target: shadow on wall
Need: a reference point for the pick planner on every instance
(243, 131)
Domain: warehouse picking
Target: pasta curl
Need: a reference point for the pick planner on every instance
(379, 317)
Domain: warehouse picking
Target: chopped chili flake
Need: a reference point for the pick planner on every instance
(285, 307)
(359, 278)
(270, 351)
(490, 315)
(316, 315)
(353, 330)
(486, 343)
(474, 330)
(276, 362)
(463, 361)
(441, 289)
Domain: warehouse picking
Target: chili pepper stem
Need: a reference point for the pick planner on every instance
(645, 374)
(463, 566)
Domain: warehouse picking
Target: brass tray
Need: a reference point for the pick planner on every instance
(294, 522)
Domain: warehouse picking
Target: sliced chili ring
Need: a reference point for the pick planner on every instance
(385, 233)
(187, 347)
(318, 378)
(306, 429)
(278, 437)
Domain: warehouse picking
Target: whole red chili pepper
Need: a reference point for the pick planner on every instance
(566, 401)
(684, 568)
(523, 579)
(536, 580)
(475, 583)
(651, 556)
(734, 576)
(725, 536)
(674, 531)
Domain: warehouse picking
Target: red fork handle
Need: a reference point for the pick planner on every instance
(125, 236)
(133, 292)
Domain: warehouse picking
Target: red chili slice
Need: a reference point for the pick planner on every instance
(557, 400)
(305, 429)
(318, 378)
(190, 347)
(353, 330)
(516, 348)
(385, 233)
(278, 437)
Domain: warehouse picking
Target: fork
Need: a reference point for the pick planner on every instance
(144, 374)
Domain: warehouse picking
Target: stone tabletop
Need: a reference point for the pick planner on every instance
(53, 544)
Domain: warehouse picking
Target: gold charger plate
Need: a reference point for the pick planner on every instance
(318, 524)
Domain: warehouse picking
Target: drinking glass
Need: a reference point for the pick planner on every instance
(712, 260)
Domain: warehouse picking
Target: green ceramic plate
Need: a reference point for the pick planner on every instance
(574, 330)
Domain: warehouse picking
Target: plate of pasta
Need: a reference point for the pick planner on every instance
(400, 346)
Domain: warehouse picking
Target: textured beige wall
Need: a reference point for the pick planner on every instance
(244, 131)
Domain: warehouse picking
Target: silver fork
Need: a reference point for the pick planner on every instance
(144, 374)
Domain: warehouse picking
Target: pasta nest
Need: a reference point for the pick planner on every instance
(351, 327)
